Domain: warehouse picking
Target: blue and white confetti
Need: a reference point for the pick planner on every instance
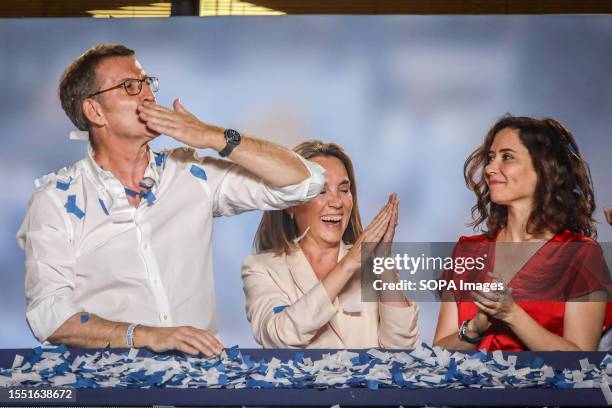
(424, 367)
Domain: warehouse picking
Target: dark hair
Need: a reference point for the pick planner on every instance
(277, 230)
(563, 197)
(79, 80)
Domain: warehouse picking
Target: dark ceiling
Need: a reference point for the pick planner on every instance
(79, 8)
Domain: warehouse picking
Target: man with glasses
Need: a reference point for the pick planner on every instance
(118, 245)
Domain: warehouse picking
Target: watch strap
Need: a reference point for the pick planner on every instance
(463, 334)
(232, 139)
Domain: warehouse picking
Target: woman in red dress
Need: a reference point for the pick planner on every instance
(533, 187)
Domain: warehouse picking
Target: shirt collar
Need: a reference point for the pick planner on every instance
(102, 176)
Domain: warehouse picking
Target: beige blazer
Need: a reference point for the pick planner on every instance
(288, 307)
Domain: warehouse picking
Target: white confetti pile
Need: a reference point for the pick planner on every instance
(424, 367)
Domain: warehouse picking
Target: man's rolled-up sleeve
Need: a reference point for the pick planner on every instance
(49, 265)
(236, 190)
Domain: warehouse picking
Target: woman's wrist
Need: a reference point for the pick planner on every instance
(472, 330)
(513, 315)
(479, 324)
(351, 262)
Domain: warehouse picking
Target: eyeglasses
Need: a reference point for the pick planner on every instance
(133, 87)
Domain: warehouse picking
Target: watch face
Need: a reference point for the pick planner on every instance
(232, 136)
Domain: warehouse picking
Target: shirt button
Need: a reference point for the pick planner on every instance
(155, 281)
(145, 246)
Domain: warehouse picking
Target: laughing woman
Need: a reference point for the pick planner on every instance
(303, 286)
(532, 186)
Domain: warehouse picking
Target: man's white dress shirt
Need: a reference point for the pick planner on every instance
(87, 249)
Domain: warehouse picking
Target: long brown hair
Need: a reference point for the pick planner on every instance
(277, 230)
(563, 198)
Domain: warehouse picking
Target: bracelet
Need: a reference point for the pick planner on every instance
(130, 335)
(463, 334)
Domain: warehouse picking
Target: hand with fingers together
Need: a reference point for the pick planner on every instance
(184, 338)
(497, 304)
(608, 214)
(386, 243)
(384, 246)
(181, 125)
(378, 231)
(384, 249)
